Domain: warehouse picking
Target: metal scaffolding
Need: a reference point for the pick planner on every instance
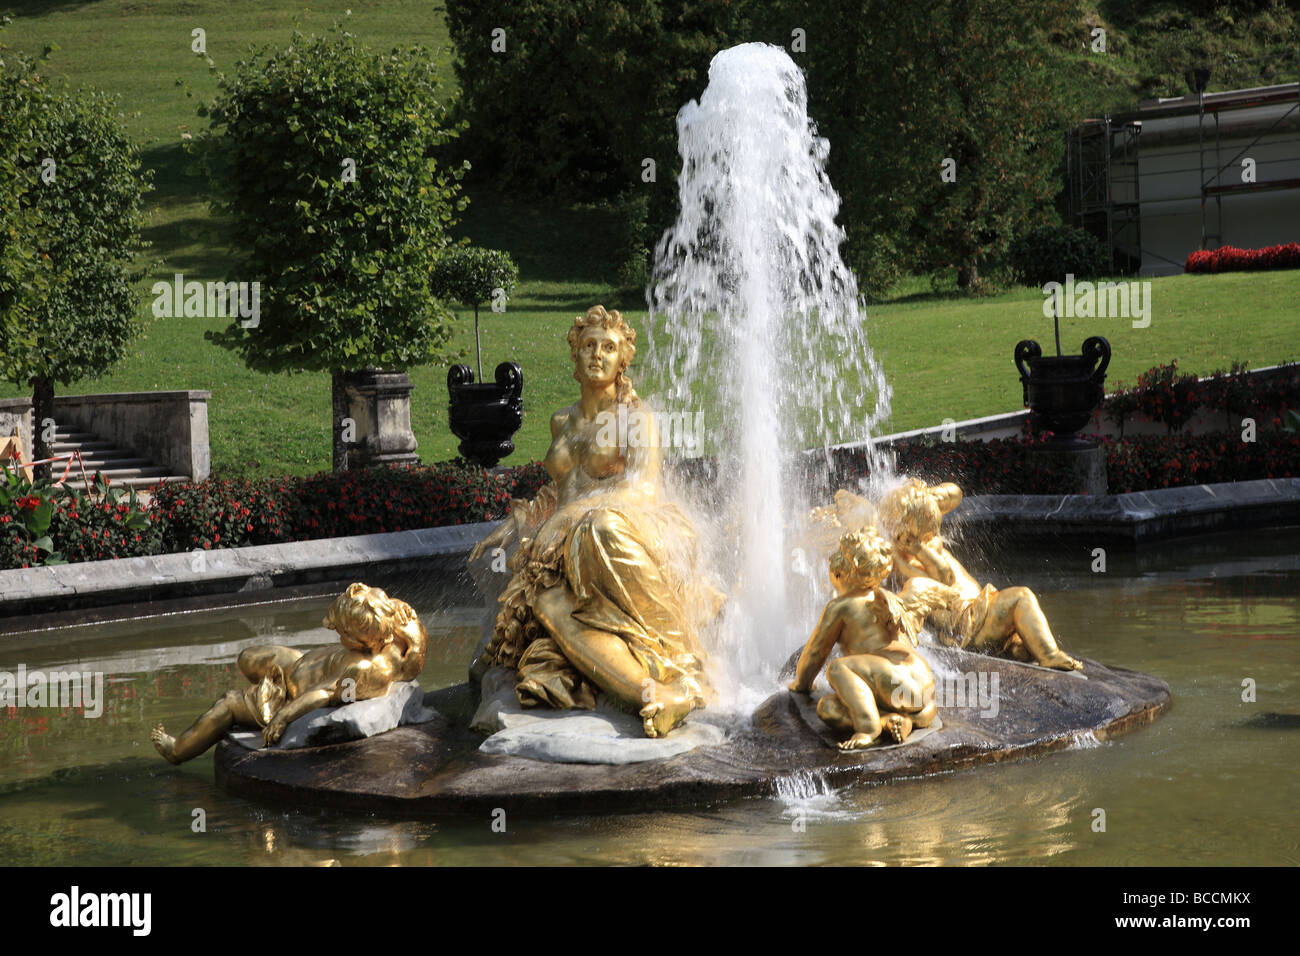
(1102, 165)
(1102, 180)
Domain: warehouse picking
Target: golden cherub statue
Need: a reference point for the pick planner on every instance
(381, 642)
(939, 588)
(605, 592)
(880, 684)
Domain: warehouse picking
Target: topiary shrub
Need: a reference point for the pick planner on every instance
(71, 216)
(470, 275)
(1050, 253)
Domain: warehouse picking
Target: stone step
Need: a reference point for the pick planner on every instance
(63, 448)
(117, 474)
(116, 464)
(121, 467)
(118, 457)
(142, 483)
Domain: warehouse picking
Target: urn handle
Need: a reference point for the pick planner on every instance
(510, 379)
(1097, 349)
(1026, 349)
(460, 375)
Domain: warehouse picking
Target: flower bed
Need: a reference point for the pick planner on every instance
(1139, 463)
(1165, 395)
(40, 524)
(1232, 259)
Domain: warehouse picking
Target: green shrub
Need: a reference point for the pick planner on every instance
(635, 239)
(26, 511)
(44, 524)
(376, 500)
(106, 523)
(1050, 253)
(223, 513)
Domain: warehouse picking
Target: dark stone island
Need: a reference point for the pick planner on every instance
(436, 768)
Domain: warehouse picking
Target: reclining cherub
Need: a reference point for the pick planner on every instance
(881, 684)
(943, 592)
(381, 642)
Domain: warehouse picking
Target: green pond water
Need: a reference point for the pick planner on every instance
(1214, 781)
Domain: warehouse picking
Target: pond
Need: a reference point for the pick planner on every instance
(1212, 782)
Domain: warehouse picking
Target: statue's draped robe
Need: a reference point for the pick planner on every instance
(633, 572)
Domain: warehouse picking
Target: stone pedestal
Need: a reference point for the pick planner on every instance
(380, 405)
(1079, 466)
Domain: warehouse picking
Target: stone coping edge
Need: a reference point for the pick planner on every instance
(1140, 515)
(245, 575)
(109, 398)
(249, 571)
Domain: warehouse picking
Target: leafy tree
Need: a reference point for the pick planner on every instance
(899, 89)
(584, 91)
(469, 275)
(21, 270)
(327, 160)
(73, 219)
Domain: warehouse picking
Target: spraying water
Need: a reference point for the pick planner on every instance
(764, 332)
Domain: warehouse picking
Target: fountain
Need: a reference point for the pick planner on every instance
(634, 645)
(750, 278)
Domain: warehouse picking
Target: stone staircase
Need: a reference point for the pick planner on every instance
(122, 467)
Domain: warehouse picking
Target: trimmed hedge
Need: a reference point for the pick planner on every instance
(1162, 394)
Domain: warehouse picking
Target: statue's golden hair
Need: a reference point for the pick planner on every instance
(366, 618)
(863, 558)
(600, 317)
(913, 509)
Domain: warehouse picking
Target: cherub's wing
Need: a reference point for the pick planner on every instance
(909, 621)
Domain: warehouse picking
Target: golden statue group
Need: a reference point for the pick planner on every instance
(607, 595)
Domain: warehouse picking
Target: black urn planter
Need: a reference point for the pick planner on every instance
(486, 415)
(1063, 390)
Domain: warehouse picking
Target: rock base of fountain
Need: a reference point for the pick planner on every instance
(403, 704)
(438, 767)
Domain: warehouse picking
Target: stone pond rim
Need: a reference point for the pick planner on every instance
(435, 768)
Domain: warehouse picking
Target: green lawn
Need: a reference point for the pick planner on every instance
(946, 357)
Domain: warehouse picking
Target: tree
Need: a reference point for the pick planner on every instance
(570, 98)
(900, 89)
(468, 275)
(325, 153)
(68, 300)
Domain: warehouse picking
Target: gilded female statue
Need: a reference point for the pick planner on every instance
(605, 593)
